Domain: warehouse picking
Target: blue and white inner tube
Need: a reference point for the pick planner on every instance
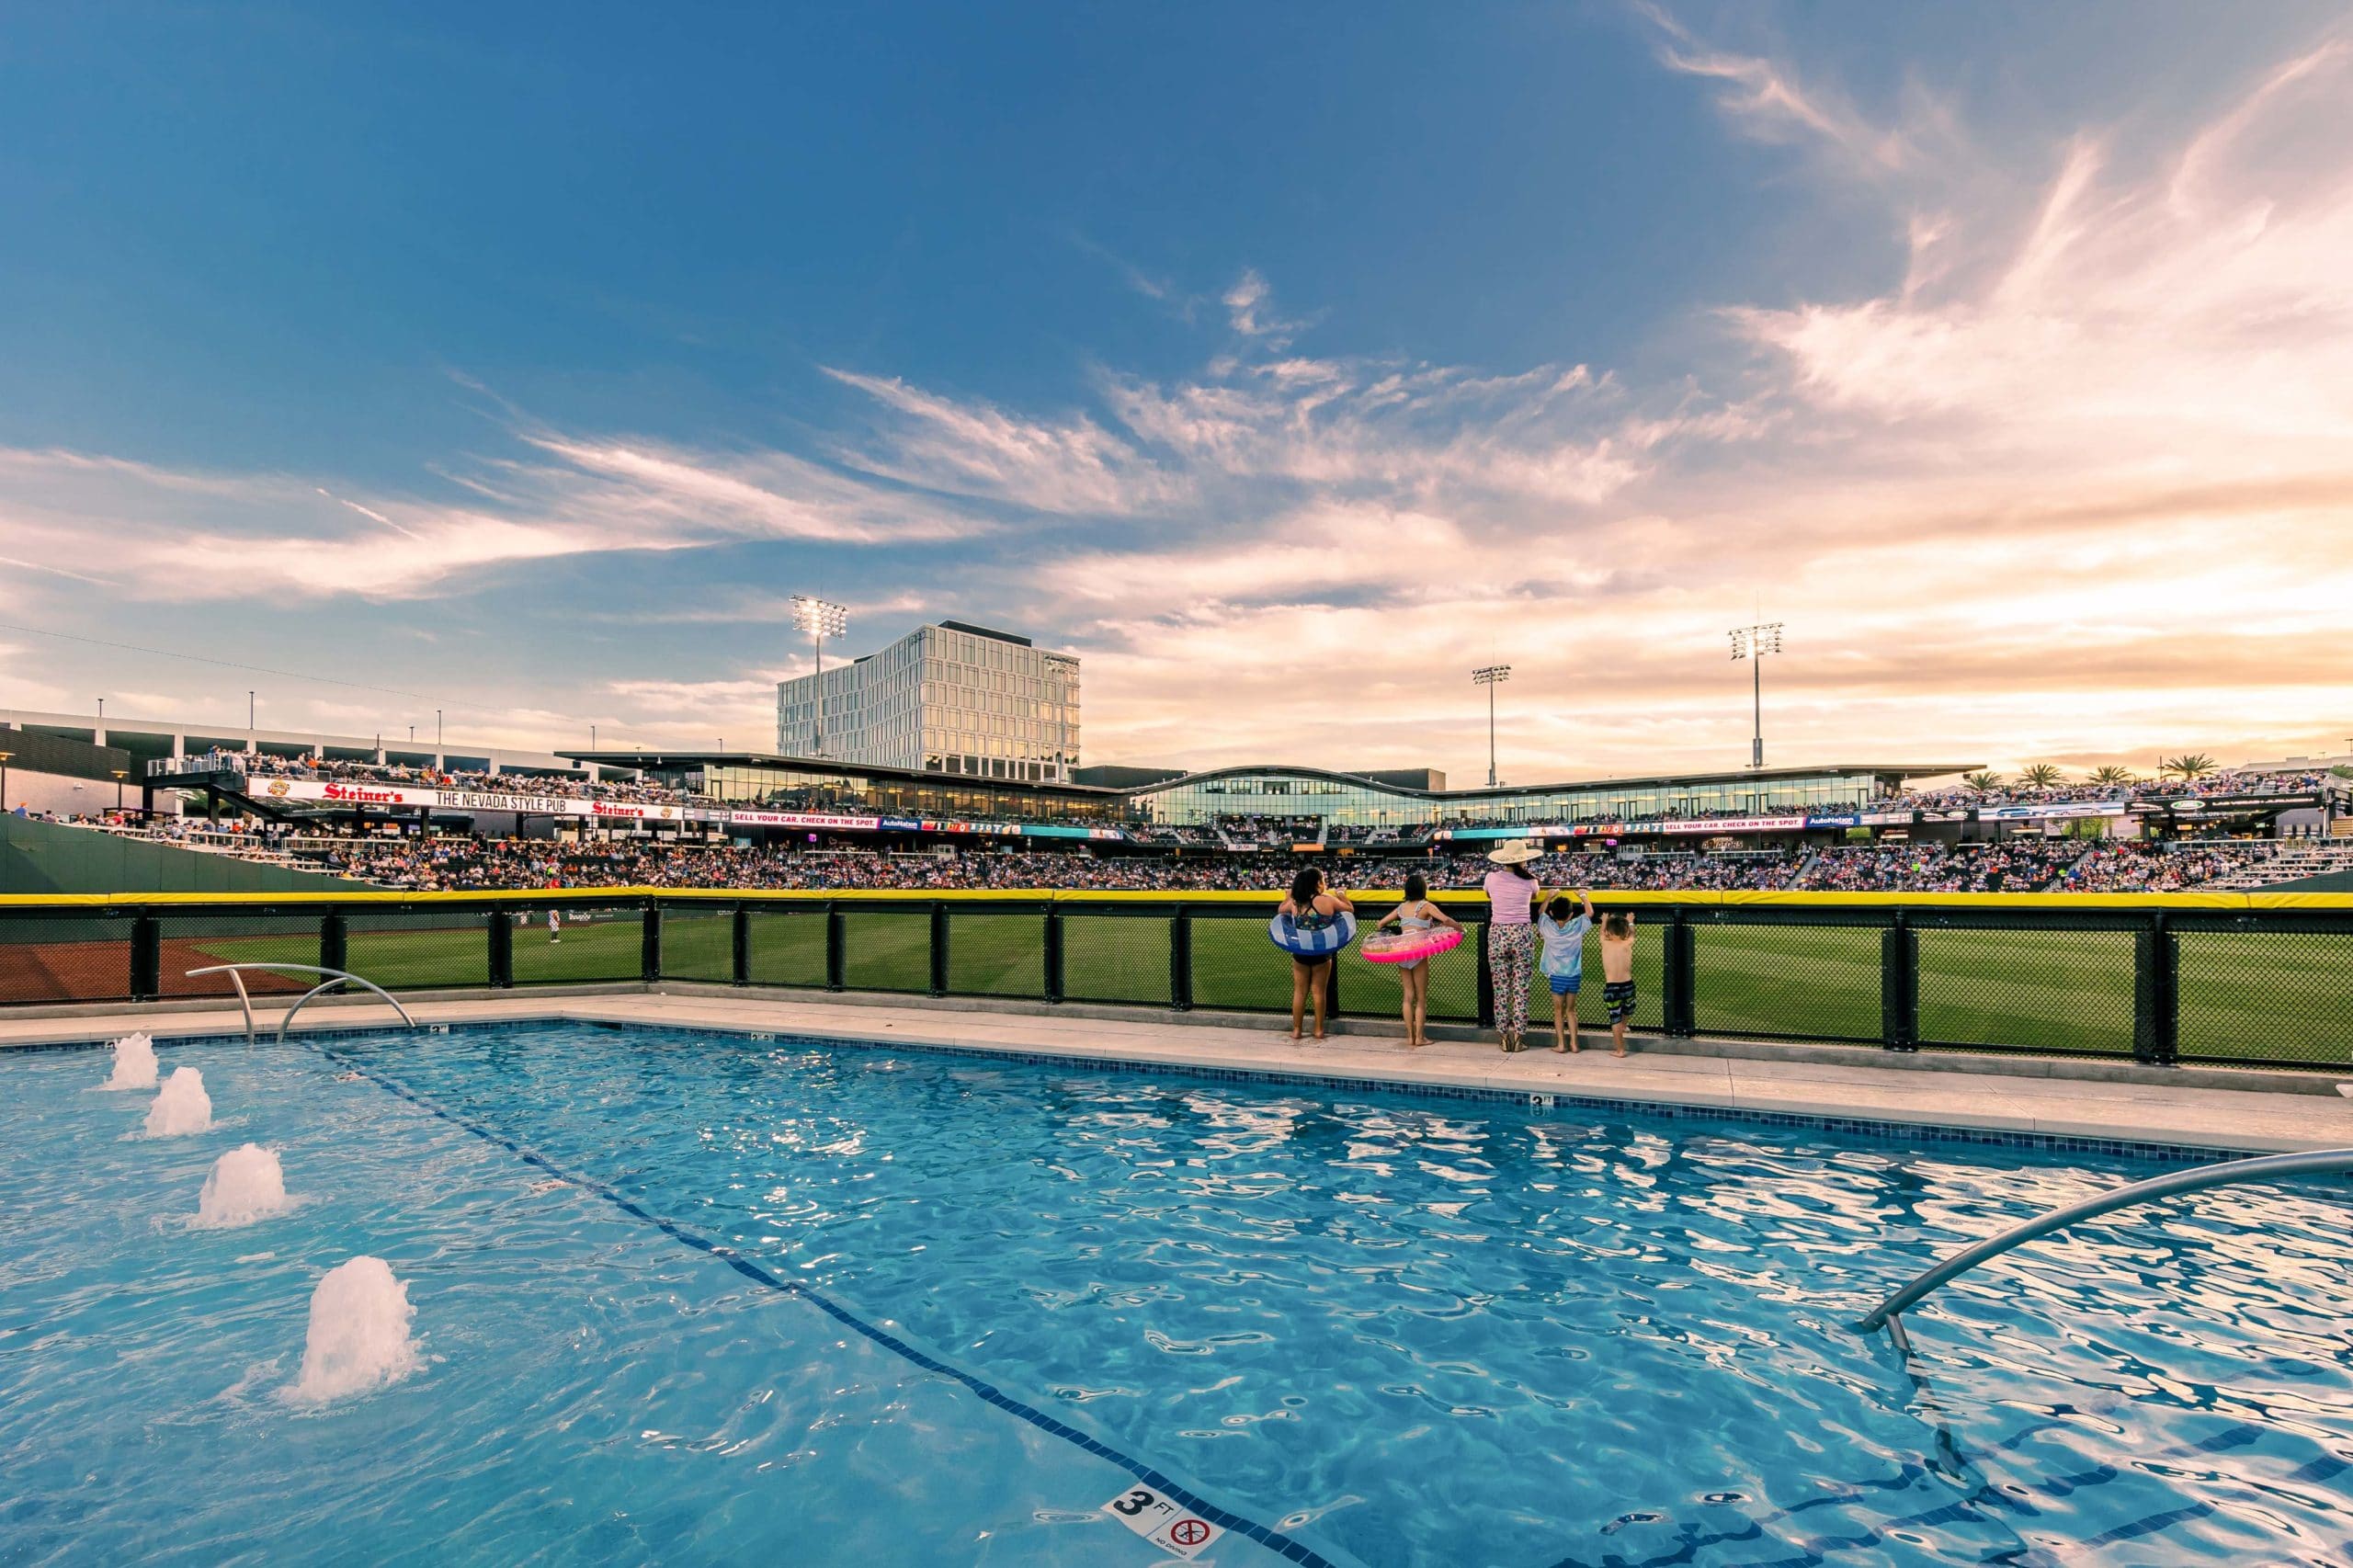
(1319, 941)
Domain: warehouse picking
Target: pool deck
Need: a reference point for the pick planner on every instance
(1976, 1094)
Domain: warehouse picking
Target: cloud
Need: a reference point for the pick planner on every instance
(1765, 99)
(977, 450)
(174, 534)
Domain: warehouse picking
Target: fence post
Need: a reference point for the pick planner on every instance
(1679, 1009)
(334, 942)
(939, 986)
(2157, 1011)
(502, 948)
(1180, 959)
(739, 934)
(1331, 988)
(1899, 985)
(146, 959)
(1054, 954)
(837, 947)
(1486, 981)
(649, 950)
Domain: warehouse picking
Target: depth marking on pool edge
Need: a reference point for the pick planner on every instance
(1273, 1539)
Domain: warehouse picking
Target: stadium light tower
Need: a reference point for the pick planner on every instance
(1752, 642)
(1490, 677)
(820, 619)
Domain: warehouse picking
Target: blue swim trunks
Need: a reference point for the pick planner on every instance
(1565, 985)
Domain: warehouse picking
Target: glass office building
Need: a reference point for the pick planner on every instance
(953, 698)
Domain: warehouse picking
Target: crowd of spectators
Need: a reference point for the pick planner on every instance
(454, 861)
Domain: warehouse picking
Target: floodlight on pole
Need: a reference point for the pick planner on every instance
(1490, 677)
(1752, 642)
(820, 619)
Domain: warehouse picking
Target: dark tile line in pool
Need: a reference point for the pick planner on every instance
(1275, 1541)
(1524, 1099)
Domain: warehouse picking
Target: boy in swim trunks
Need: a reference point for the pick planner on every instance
(1618, 975)
(1562, 931)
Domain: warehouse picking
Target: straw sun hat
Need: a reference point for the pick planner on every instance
(1518, 852)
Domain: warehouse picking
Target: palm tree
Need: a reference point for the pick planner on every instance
(2188, 766)
(1985, 782)
(2041, 776)
(2110, 774)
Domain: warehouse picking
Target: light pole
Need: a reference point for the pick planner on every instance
(1490, 677)
(119, 774)
(1752, 642)
(820, 619)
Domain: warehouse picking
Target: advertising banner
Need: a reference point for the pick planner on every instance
(1848, 819)
(1733, 824)
(1887, 819)
(2051, 811)
(901, 824)
(805, 819)
(1052, 830)
(339, 792)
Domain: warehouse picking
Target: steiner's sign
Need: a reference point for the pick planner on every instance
(338, 792)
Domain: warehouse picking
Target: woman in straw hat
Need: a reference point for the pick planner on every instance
(1513, 893)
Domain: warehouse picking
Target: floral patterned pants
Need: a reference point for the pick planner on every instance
(1511, 961)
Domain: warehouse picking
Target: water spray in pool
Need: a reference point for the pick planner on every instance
(358, 1338)
(182, 1107)
(245, 1184)
(135, 1063)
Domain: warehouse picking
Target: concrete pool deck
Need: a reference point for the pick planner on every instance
(1974, 1092)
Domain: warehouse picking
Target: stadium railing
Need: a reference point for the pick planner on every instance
(2247, 978)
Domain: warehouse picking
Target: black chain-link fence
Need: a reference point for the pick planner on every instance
(577, 945)
(698, 943)
(888, 951)
(2280, 990)
(786, 946)
(442, 948)
(995, 954)
(46, 958)
(2268, 986)
(1118, 957)
(2014, 985)
(1777, 978)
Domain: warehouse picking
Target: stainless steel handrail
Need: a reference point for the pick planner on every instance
(2262, 1167)
(245, 998)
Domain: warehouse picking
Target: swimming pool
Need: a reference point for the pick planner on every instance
(688, 1296)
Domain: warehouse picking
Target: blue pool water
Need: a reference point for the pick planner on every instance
(698, 1298)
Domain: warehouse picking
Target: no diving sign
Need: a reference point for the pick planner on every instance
(1161, 1522)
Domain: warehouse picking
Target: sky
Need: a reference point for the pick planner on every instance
(1284, 363)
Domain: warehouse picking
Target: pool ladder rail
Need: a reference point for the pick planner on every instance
(1888, 1314)
(338, 977)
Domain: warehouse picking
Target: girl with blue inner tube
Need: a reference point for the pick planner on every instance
(1311, 908)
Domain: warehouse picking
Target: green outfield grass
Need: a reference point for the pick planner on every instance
(2247, 996)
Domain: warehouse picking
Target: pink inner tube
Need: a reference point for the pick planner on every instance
(1405, 946)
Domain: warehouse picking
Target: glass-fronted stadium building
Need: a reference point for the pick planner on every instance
(1282, 792)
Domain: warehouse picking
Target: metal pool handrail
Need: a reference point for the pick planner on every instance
(338, 976)
(2228, 1172)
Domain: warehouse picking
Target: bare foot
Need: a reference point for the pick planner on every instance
(1294, 1036)
(1619, 1053)
(1319, 1034)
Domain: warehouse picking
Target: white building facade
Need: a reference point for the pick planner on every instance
(953, 699)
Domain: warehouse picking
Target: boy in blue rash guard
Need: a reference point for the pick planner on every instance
(1562, 931)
